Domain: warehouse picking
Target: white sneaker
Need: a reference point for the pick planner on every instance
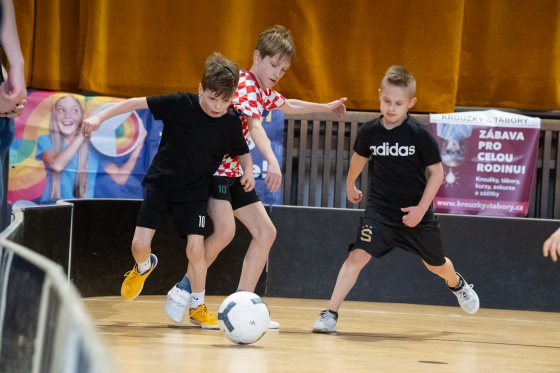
(177, 303)
(273, 325)
(468, 299)
(326, 323)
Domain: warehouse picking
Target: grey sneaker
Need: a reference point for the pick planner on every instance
(177, 303)
(468, 299)
(326, 323)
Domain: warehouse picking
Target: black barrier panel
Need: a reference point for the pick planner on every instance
(309, 249)
(102, 237)
(46, 230)
(502, 257)
(17, 234)
(19, 331)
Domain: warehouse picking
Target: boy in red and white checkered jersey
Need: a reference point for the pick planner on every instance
(251, 101)
(274, 53)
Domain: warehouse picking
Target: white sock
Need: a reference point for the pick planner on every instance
(197, 299)
(144, 267)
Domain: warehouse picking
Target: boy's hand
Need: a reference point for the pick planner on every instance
(414, 216)
(552, 246)
(248, 181)
(89, 125)
(273, 178)
(338, 107)
(354, 195)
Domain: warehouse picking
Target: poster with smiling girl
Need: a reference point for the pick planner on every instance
(50, 159)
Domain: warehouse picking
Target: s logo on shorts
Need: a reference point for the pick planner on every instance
(365, 233)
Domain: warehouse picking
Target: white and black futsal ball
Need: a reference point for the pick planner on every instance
(243, 317)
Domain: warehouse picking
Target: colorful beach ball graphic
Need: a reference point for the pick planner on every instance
(117, 136)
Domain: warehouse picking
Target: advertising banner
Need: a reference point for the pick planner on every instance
(112, 164)
(273, 124)
(489, 159)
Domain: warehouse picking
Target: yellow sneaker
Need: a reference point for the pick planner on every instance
(134, 281)
(201, 316)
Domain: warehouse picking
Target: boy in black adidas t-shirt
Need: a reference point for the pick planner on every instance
(198, 130)
(399, 211)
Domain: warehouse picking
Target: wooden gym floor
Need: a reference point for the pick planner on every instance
(371, 337)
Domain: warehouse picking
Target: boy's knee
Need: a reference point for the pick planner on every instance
(195, 253)
(140, 246)
(267, 233)
(359, 257)
(225, 235)
(271, 233)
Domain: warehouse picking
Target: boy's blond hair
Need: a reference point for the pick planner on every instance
(400, 77)
(221, 76)
(277, 40)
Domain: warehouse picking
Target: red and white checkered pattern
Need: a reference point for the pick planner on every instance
(252, 100)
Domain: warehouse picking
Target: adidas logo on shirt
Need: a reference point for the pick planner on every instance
(394, 150)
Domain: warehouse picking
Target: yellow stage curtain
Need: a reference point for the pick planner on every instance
(488, 53)
(510, 55)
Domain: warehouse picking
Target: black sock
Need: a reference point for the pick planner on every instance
(335, 314)
(459, 285)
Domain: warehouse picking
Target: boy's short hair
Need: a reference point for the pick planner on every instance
(400, 77)
(221, 76)
(277, 40)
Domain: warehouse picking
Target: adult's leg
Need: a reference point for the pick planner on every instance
(445, 271)
(257, 221)
(347, 277)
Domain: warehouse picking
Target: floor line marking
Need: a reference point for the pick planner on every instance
(363, 311)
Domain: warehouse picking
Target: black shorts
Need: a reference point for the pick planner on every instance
(230, 189)
(189, 217)
(378, 236)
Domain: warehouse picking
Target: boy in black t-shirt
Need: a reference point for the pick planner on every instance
(198, 130)
(399, 211)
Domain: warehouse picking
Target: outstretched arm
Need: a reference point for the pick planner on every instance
(93, 123)
(416, 213)
(552, 246)
(248, 179)
(302, 107)
(273, 178)
(13, 91)
(357, 164)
